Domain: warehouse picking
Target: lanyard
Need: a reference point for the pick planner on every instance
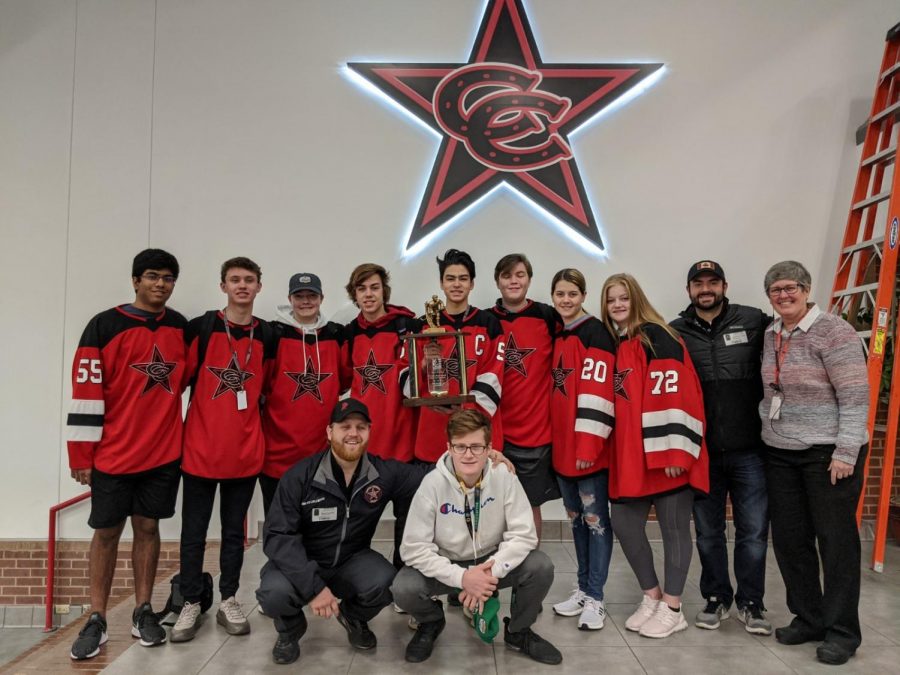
(781, 350)
(469, 510)
(233, 346)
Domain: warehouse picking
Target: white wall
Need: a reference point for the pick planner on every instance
(215, 128)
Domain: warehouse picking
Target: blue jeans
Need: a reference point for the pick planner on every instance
(743, 476)
(587, 503)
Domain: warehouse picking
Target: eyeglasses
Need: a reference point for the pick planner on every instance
(791, 290)
(477, 449)
(152, 277)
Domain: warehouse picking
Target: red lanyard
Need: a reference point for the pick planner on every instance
(233, 346)
(781, 350)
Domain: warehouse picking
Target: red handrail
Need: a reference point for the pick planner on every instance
(51, 554)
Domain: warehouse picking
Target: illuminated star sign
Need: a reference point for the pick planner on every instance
(308, 381)
(157, 371)
(505, 117)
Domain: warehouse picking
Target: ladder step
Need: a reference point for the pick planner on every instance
(887, 155)
(890, 110)
(863, 244)
(890, 71)
(872, 200)
(856, 289)
(864, 334)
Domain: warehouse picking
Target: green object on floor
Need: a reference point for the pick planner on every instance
(485, 620)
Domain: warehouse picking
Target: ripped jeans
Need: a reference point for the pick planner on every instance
(587, 504)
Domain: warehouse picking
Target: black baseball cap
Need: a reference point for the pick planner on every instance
(705, 267)
(347, 407)
(305, 281)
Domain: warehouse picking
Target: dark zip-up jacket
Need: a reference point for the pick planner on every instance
(727, 356)
(312, 524)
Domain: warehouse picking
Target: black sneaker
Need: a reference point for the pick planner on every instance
(530, 643)
(145, 625)
(286, 649)
(833, 654)
(87, 645)
(358, 632)
(422, 643)
(797, 633)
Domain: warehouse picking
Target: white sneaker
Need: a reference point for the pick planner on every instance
(399, 609)
(664, 622)
(593, 615)
(645, 610)
(412, 624)
(188, 622)
(231, 616)
(572, 606)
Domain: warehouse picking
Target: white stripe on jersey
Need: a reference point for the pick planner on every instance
(597, 403)
(593, 427)
(82, 433)
(676, 442)
(482, 399)
(84, 406)
(672, 416)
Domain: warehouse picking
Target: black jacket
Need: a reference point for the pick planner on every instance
(311, 523)
(727, 356)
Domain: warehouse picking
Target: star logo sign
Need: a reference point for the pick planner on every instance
(157, 371)
(505, 117)
(619, 382)
(559, 375)
(515, 357)
(308, 381)
(231, 377)
(453, 365)
(372, 373)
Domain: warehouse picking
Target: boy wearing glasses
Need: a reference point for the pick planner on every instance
(470, 529)
(124, 437)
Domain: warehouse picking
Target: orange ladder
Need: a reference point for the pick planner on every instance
(865, 283)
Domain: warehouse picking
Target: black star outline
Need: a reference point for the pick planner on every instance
(453, 365)
(308, 381)
(372, 373)
(157, 370)
(514, 356)
(560, 374)
(231, 378)
(619, 382)
(459, 179)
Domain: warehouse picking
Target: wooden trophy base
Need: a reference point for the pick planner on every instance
(431, 401)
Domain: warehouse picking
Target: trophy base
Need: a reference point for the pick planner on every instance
(431, 401)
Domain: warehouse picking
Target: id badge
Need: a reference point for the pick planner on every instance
(326, 514)
(736, 338)
(775, 408)
(241, 399)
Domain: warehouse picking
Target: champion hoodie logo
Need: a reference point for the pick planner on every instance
(447, 508)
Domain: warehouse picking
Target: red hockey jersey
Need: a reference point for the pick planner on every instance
(484, 368)
(221, 441)
(659, 419)
(582, 407)
(303, 386)
(528, 338)
(375, 358)
(127, 378)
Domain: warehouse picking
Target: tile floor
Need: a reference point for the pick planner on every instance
(730, 649)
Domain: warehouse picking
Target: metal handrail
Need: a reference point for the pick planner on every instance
(51, 554)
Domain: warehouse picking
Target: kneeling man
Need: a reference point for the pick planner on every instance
(470, 527)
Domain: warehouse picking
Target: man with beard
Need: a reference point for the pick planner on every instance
(725, 343)
(319, 554)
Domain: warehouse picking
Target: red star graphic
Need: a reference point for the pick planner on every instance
(619, 382)
(308, 381)
(559, 375)
(157, 371)
(453, 365)
(505, 117)
(231, 377)
(514, 358)
(372, 373)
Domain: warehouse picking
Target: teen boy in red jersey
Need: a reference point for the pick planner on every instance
(223, 441)
(484, 355)
(529, 328)
(124, 437)
(374, 356)
(305, 381)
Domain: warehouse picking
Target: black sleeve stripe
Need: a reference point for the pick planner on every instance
(487, 390)
(81, 420)
(673, 429)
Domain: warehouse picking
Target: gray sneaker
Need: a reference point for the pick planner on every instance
(710, 617)
(754, 620)
(188, 622)
(231, 616)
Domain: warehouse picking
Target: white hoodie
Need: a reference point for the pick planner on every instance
(436, 534)
(284, 314)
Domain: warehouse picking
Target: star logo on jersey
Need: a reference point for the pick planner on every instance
(514, 358)
(453, 366)
(157, 371)
(372, 373)
(559, 375)
(231, 377)
(308, 381)
(505, 117)
(619, 382)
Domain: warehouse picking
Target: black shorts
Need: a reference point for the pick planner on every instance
(150, 493)
(534, 469)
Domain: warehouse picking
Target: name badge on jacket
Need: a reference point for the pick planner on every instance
(324, 514)
(736, 338)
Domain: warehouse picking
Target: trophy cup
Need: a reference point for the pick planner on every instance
(425, 350)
